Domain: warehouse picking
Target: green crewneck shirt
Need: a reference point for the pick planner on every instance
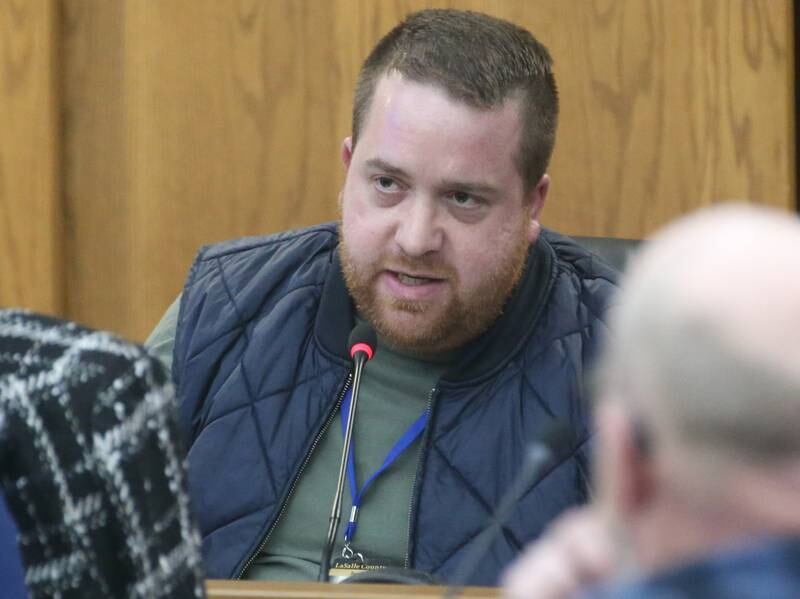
(395, 390)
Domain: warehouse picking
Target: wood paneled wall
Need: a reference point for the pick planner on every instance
(30, 207)
(183, 122)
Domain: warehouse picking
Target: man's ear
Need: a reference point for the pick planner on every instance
(638, 478)
(626, 461)
(535, 200)
(347, 152)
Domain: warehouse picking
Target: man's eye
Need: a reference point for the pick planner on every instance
(463, 199)
(386, 184)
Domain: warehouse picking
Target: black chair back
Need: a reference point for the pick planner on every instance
(615, 251)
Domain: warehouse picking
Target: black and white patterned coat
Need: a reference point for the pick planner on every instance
(90, 465)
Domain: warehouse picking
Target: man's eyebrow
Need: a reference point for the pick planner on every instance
(381, 165)
(469, 187)
(465, 186)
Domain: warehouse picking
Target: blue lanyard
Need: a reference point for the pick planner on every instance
(414, 431)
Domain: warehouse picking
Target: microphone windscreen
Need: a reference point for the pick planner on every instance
(362, 334)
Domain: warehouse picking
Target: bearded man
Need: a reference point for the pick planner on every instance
(485, 324)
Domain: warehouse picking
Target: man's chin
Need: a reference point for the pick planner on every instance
(410, 331)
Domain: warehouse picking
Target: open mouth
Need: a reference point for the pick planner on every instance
(415, 287)
(413, 280)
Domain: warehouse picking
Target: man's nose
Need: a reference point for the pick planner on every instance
(419, 231)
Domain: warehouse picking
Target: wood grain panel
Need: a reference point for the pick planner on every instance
(669, 106)
(216, 128)
(30, 209)
(98, 201)
(191, 121)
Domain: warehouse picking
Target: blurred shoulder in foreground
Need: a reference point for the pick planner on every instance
(91, 465)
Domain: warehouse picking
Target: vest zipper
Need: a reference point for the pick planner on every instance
(407, 563)
(307, 459)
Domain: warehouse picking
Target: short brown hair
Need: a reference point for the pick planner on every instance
(477, 59)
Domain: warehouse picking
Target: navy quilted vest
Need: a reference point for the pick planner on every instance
(260, 363)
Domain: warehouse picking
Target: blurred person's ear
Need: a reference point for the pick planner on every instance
(625, 467)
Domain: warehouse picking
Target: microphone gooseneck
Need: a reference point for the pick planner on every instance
(361, 344)
(552, 444)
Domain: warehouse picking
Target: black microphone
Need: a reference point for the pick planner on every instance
(554, 443)
(362, 343)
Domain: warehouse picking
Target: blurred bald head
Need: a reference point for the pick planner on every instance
(698, 409)
(707, 335)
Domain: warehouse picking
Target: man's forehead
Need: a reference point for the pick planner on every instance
(412, 122)
(399, 96)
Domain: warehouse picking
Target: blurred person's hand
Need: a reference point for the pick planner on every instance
(574, 553)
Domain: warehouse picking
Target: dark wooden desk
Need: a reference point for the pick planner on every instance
(245, 589)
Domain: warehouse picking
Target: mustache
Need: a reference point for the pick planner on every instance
(431, 265)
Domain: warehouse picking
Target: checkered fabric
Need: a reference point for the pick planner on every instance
(91, 466)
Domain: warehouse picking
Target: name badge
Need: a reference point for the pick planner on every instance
(344, 567)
